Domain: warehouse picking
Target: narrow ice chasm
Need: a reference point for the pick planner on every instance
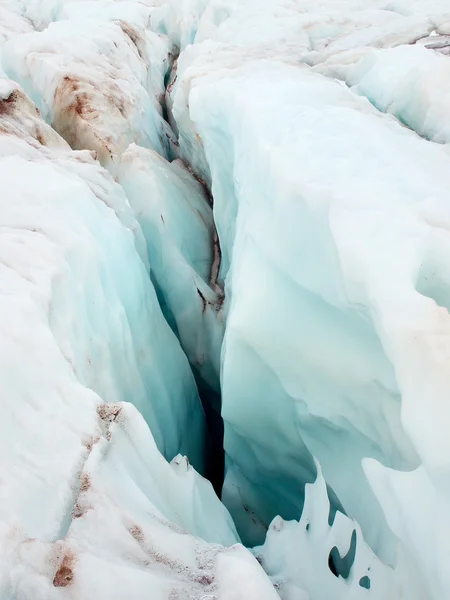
(224, 299)
(89, 507)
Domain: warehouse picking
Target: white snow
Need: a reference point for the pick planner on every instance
(410, 82)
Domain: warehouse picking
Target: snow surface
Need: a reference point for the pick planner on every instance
(253, 195)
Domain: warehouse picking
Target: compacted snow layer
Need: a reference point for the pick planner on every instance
(287, 179)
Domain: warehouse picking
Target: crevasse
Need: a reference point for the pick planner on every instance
(214, 210)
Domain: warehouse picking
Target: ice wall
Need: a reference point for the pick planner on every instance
(279, 290)
(336, 334)
(89, 507)
(177, 221)
(174, 211)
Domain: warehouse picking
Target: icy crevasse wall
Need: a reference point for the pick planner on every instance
(103, 94)
(87, 260)
(308, 356)
(337, 330)
(178, 225)
(89, 507)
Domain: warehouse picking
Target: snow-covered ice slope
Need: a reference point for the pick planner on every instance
(71, 250)
(333, 222)
(88, 506)
(410, 82)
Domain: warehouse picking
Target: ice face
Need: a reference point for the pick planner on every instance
(333, 278)
(277, 293)
(183, 252)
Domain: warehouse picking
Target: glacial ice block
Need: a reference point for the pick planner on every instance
(313, 559)
(327, 237)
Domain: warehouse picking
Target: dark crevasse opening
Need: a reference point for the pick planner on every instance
(213, 449)
(341, 565)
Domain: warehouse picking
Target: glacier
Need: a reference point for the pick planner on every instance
(225, 299)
